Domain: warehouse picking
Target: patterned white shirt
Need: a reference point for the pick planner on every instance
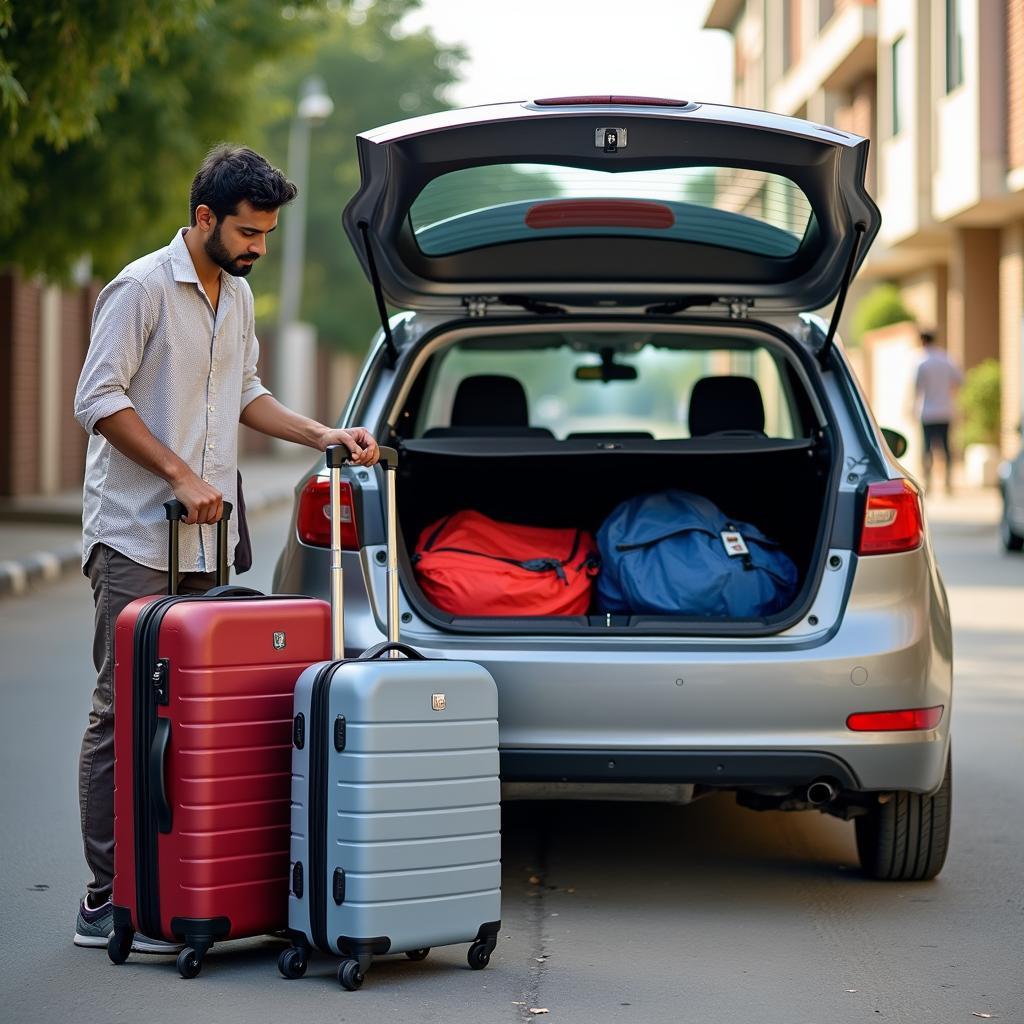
(158, 347)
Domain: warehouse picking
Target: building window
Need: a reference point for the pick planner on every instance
(954, 44)
(900, 92)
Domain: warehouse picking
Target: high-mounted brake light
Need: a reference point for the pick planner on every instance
(896, 721)
(313, 522)
(624, 101)
(892, 518)
(599, 213)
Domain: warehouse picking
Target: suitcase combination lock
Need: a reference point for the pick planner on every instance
(161, 676)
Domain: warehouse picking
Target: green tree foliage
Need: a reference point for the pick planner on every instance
(980, 401)
(883, 305)
(375, 73)
(107, 107)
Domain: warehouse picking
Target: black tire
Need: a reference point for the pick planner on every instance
(292, 963)
(1012, 541)
(905, 839)
(119, 945)
(349, 975)
(479, 956)
(418, 954)
(189, 963)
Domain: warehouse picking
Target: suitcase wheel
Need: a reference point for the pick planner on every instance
(418, 954)
(292, 962)
(479, 956)
(190, 963)
(119, 945)
(349, 975)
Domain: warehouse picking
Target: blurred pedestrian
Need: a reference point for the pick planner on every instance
(936, 383)
(170, 373)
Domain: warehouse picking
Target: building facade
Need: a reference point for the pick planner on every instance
(938, 86)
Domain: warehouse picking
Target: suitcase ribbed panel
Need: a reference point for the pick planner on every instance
(229, 765)
(412, 804)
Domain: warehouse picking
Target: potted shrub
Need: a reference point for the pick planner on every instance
(979, 434)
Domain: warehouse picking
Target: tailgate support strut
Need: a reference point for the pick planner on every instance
(382, 312)
(823, 353)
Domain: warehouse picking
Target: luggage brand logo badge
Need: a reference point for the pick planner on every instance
(437, 702)
(279, 641)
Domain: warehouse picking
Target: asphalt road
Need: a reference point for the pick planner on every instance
(707, 913)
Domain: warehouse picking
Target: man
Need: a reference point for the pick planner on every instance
(935, 386)
(170, 373)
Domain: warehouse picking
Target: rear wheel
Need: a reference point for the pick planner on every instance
(1012, 541)
(906, 838)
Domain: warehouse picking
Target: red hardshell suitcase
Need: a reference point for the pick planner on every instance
(202, 759)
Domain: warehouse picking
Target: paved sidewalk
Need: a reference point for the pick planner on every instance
(41, 538)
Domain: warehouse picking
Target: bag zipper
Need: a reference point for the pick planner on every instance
(319, 710)
(531, 565)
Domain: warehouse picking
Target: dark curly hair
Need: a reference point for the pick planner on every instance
(230, 174)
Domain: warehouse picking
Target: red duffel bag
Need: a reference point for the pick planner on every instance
(468, 564)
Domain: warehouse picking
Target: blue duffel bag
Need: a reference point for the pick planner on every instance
(676, 553)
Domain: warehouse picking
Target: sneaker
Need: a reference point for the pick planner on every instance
(94, 927)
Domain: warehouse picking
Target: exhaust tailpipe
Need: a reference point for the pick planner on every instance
(821, 792)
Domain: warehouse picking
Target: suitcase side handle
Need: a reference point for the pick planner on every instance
(388, 646)
(157, 780)
(176, 511)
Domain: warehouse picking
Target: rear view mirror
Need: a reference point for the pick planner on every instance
(896, 441)
(608, 370)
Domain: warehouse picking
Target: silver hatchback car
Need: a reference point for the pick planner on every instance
(606, 297)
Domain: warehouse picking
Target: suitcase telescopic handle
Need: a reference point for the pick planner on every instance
(337, 455)
(176, 511)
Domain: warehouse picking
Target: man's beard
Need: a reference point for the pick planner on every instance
(235, 266)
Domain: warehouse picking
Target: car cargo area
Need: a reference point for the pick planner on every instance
(575, 424)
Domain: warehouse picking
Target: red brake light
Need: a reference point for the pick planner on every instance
(599, 213)
(892, 518)
(314, 519)
(896, 721)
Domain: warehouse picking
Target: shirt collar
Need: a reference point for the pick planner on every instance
(183, 267)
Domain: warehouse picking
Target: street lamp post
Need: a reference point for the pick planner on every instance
(294, 352)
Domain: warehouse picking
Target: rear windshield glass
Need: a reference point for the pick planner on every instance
(601, 384)
(735, 208)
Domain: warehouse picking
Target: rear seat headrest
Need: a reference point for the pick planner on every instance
(725, 403)
(490, 400)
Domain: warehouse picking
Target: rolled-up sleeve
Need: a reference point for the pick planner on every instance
(252, 386)
(121, 324)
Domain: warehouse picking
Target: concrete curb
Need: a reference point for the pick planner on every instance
(18, 576)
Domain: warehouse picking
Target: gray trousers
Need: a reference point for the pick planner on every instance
(116, 582)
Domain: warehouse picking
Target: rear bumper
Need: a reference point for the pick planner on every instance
(725, 768)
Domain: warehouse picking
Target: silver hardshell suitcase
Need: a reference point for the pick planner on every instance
(395, 838)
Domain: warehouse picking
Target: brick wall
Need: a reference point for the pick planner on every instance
(21, 380)
(1011, 347)
(1015, 82)
(19, 341)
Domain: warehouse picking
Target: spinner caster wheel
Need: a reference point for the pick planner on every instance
(479, 956)
(292, 963)
(190, 963)
(349, 975)
(418, 954)
(119, 945)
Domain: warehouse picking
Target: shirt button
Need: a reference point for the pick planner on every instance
(210, 447)
(211, 407)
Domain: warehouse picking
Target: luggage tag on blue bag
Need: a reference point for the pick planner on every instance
(734, 544)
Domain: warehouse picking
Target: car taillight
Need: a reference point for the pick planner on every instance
(313, 522)
(896, 721)
(892, 518)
